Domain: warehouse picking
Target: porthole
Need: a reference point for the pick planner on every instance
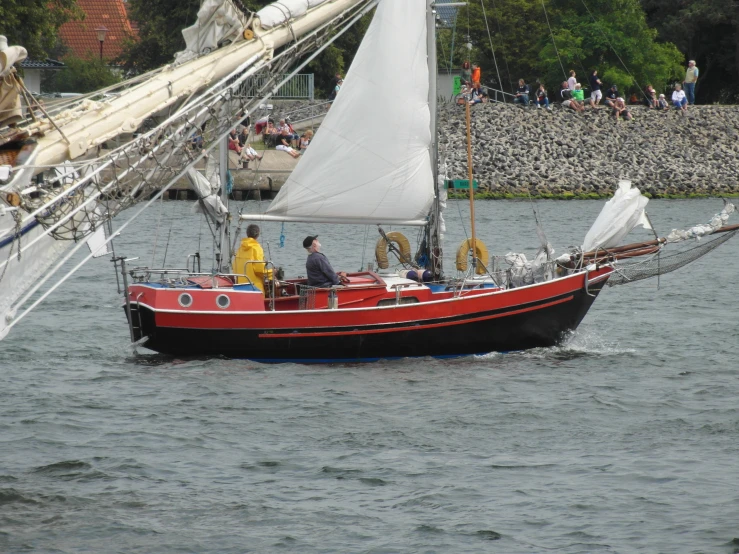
(185, 300)
(223, 301)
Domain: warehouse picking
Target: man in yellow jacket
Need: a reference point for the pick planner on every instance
(250, 251)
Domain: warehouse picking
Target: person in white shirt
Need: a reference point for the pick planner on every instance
(572, 81)
(679, 100)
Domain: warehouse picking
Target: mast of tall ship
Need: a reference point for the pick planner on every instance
(434, 242)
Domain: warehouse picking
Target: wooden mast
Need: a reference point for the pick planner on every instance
(471, 188)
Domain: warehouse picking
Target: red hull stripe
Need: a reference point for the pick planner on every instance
(413, 327)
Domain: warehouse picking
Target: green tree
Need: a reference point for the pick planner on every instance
(706, 31)
(610, 36)
(33, 24)
(80, 75)
(337, 57)
(160, 32)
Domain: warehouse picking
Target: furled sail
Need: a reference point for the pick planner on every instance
(370, 160)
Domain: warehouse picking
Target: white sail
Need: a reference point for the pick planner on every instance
(370, 160)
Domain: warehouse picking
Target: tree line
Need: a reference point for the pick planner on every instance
(631, 43)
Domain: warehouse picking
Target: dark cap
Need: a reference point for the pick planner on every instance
(309, 240)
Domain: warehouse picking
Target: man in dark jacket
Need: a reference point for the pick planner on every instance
(320, 272)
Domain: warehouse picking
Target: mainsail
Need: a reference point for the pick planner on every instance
(370, 161)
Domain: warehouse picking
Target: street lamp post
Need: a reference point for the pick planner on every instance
(101, 31)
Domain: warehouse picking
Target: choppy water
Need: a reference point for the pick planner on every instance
(623, 440)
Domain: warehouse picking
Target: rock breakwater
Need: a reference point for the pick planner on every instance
(561, 153)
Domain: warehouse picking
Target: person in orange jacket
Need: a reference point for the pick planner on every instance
(476, 75)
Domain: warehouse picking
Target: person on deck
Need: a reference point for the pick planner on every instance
(251, 251)
(691, 78)
(319, 270)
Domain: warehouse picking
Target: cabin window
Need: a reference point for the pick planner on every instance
(185, 300)
(223, 301)
(393, 302)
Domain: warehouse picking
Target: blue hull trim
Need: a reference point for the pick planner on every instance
(24, 230)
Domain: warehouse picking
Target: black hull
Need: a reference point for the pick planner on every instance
(538, 327)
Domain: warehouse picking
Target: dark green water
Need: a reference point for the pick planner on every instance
(623, 440)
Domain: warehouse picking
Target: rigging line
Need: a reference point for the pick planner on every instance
(551, 33)
(505, 59)
(364, 246)
(156, 231)
(451, 50)
(169, 235)
(490, 38)
(443, 54)
(611, 46)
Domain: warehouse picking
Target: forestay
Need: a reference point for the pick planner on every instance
(370, 161)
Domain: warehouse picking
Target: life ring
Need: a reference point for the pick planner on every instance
(481, 252)
(382, 248)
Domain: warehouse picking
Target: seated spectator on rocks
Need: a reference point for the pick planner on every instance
(478, 95)
(611, 96)
(286, 130)
(283, 145)
(522, 94)
(270, 134)
(260, 125)
(541, 97)
(650, 97)
(579, 94)
(464, 96)
(244, 136)
(619, 109)
(568, 101)
(248, 154)
(233, 142)
(679, 100)
(633, 99)
(305, 141)
(662, 103)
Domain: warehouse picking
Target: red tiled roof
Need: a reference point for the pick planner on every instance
(81, 37)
